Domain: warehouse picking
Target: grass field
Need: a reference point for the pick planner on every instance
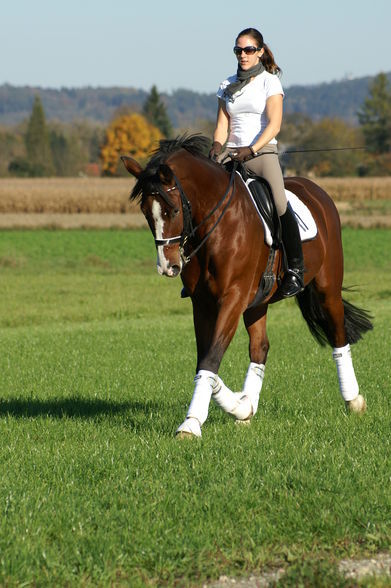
(96, 374)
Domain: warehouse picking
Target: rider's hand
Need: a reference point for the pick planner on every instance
(241, 154)
(215, 151)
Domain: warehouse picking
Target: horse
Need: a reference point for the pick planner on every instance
(207, 231)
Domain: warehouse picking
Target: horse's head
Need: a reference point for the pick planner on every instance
(163, 200)
(162, 207)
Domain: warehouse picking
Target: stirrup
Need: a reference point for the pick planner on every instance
(293, 283)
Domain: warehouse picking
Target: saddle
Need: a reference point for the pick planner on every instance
(262, 196)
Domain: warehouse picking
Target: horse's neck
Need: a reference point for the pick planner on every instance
(210, 189)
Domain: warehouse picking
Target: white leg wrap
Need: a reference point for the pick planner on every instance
(235, 403)
(253, 383)
(348, 384)
(224, 397)
(199, 405)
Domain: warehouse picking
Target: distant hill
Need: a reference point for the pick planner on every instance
(340, 99)
(335, 99)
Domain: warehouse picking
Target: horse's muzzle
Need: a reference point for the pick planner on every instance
(176, 270)
(169, 260)
(170, 271)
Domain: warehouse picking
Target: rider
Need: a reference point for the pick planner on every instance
(250, 114)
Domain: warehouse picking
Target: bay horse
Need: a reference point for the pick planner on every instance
(207, 231)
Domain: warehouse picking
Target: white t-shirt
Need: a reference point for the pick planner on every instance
(247, 112)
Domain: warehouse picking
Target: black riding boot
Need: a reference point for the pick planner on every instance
(293, 281)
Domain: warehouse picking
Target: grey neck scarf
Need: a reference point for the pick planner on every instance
(243, 78)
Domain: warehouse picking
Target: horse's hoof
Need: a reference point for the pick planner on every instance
(246, 422)
(243, 411)
(357, 405)
(189, 428)
(184, 435)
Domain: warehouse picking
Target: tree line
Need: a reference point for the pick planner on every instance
(332, 147)
(328, 147)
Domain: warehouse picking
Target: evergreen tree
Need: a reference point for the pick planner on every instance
(60, 152)
(37, 142)
(155, 112)
(375, 116)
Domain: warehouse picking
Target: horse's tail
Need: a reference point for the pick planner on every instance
(357, 320)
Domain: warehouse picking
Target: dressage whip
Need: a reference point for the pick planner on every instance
(289, 151)
(324, 149)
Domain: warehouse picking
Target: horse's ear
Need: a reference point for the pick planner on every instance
(132, 166)
(165, 173)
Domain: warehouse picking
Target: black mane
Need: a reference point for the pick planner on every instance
(149, 179)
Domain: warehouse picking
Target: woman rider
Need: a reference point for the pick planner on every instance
(250, 114)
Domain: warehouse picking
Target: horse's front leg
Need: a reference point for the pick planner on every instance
(244, 405)
(215, 324)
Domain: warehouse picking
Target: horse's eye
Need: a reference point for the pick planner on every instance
(175, 212)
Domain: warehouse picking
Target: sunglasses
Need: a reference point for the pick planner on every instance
(250, 50)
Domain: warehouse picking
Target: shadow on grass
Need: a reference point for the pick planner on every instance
(76, 407)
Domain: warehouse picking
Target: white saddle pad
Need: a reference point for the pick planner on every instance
(305, 220)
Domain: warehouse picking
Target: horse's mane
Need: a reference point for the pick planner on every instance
(149, 178)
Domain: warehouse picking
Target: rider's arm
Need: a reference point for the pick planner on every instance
(222, 124)
(274, 116)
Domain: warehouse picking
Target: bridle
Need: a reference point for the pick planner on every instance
(186, 213)
(189, 230)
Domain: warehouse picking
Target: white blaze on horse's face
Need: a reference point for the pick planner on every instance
(165, 266)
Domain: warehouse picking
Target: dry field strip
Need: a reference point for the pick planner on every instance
(104, 202)
(363, 570)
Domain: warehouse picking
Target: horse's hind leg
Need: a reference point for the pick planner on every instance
(255, 322)
(331, 317)
(348, 384)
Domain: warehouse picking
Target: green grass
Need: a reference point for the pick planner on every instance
(97, 361)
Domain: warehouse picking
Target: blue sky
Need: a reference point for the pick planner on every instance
(186, 44)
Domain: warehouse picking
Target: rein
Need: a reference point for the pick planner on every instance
(188, 229)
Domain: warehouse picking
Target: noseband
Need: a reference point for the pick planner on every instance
(189, 230)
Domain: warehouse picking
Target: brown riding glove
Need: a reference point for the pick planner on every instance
(215, 150)
(241, 154)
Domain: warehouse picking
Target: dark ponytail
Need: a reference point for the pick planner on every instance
(268, 61)
(267, 58)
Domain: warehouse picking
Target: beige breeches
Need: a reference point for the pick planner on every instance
(268, 166)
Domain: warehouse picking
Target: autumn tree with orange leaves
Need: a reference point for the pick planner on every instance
(129, 134)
